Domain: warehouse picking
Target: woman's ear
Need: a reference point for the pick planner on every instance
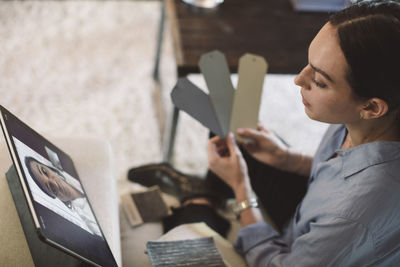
(374, 108)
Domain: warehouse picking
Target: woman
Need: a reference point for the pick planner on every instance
(350, 213)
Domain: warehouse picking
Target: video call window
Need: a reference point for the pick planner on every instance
(56, 189)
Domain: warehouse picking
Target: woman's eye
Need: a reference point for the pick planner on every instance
(44, 171)
(321, 85)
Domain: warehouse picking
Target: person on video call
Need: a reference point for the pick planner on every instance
(53, 183)
(340, 207)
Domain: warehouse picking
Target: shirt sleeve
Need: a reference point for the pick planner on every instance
(329, 242)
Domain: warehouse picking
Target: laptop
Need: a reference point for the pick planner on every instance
(61, 212)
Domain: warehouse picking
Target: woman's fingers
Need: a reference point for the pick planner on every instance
(232, 145)
(262, 128)
(251, 134)
(218, 147)
(250, 147)
(230, 141)
(212, 149)
(214, 139)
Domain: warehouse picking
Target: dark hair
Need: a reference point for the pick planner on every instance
(369, 36)
(28, 161)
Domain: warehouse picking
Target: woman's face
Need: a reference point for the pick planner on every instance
(52, 183)
(326, 94)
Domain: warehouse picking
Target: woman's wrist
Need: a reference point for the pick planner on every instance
(243, 191)
(251, 214)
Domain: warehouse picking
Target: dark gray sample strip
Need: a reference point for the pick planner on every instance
(188, 97)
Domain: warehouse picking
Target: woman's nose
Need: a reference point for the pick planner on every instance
(53, 185)
(302, 78)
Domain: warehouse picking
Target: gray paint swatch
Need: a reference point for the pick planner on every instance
(215, 69)
(188, 97)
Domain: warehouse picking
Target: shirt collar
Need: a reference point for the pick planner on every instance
(363, 156)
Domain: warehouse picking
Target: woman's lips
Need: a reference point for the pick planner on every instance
(305, 101)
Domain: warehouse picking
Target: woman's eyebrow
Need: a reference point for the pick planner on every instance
(323, 73)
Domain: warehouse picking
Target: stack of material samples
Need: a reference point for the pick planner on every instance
(193, 244)
(194, 252)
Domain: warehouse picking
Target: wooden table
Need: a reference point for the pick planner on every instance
(270, 28)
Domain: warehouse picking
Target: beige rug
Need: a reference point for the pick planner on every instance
(83, 68)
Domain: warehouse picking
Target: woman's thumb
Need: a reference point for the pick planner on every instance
(231, 143)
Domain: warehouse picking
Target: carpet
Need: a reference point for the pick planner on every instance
(83, 68)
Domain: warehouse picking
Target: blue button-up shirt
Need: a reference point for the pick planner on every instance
(350, 215)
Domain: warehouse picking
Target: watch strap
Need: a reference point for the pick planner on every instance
(244, 205)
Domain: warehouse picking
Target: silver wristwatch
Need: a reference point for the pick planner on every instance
(243, 205)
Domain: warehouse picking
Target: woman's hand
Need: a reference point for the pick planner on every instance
(269, 149)
(265, 146)
(226, 161)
